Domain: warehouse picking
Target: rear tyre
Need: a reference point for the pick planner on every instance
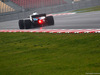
(50, 20)
(27, 24)
(21, 24)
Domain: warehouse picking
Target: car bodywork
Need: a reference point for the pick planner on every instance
(37, 20)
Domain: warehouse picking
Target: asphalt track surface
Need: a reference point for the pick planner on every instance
(88, 20)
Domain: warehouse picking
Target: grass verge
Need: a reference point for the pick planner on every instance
(96, 8)
(49, 54)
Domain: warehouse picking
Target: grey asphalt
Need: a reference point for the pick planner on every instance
(88, 20)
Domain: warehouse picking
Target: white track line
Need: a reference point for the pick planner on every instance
(61, 14)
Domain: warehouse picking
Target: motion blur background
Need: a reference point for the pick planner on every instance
(18, 9)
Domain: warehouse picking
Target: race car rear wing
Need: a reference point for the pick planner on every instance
(40, 15)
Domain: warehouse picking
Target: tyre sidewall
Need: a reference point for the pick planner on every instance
(27, 24)
(50, 20)
(21, 24)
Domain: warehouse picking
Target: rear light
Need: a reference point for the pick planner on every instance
(40, 21)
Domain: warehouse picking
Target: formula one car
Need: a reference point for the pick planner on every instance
(36, 20)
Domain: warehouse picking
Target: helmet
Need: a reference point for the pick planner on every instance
(35, 13)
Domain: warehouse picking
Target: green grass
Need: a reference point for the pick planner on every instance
(96, 8)
(49, 54)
